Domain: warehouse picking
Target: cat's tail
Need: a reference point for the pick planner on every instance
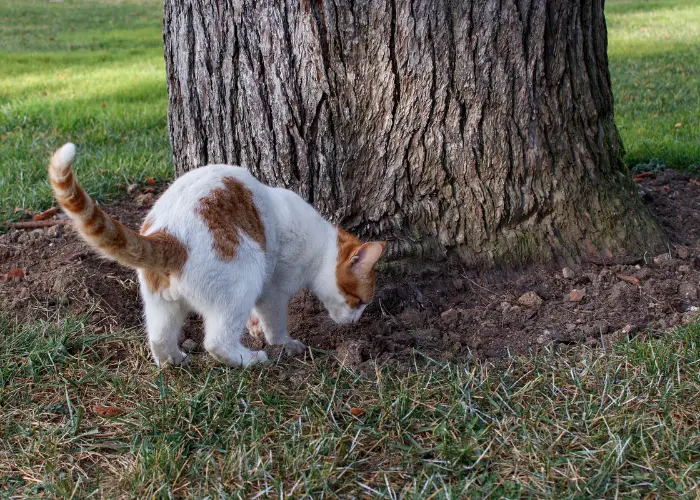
(158, 251)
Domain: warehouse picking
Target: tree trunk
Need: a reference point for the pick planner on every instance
(483, 127)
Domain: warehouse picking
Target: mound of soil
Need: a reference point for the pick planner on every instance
(441, 311)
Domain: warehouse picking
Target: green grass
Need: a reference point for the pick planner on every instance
(588, 424)
(89, 72)
(654, 50)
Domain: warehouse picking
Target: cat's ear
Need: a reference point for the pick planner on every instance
(366, 256)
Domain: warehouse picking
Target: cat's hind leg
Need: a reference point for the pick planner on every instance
(222, 338)
(269, 318)
(164, 321)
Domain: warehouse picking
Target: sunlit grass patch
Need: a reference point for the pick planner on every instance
(654, 50)
(87, 72)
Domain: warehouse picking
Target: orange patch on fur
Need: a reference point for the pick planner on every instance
(174, 256)
(229, 210)
(356, 290)
(147, 223)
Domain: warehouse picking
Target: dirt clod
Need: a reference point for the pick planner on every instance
(145, 200)
(688, 291)
(661, 258)
(530, 299)
(568, 273)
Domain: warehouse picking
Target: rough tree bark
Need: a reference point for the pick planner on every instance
(481, 126)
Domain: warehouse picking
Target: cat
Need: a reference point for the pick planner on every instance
(223, 244)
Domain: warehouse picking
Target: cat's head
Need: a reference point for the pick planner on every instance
(355, 277)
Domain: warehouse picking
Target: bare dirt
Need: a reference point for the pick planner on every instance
(441, 311)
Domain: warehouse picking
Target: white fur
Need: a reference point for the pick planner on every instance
(301, 251)
(64, 157)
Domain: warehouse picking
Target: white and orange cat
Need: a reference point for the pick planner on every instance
(223, 244)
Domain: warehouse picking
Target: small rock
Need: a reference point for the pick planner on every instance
(189, 345)
(570, 327)
(643, 273)
(350, 353)
(544, 338)
(661, 258)
(54, 231)
(575, 295)
(23, 238)
(37, 232)
(145, 200)
(568, 273)
(627, 329)
(688, 291)
(459, 284)
(368, 369)
(23, 293)
(530, 299)
(690, 315)
(450, 316)
(131, 189)
(592, 342)
(683, 252)
(684, 269)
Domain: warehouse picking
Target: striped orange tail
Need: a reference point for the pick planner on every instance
(158, 251)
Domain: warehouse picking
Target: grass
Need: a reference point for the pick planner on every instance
(88, 415)
(88, 72)
(587, 424)
(654, 50)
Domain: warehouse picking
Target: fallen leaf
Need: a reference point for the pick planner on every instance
(106, 411)
(643, 175)
(47, 214)
(16, 273)
(150, 181)
(357, 412)
(695, 182)
(629, 279)
(678, 125)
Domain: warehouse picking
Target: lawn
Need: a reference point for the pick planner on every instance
(654, 50)
(86, 414)
(89, 72)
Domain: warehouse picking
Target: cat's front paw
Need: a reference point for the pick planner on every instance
(176, 359)
(255, 327)
(294, 347)
(258, 357)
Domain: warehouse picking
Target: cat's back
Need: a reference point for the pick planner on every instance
(211, 194)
